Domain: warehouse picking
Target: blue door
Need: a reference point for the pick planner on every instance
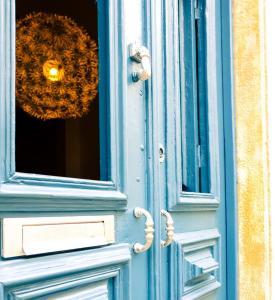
(197, 178)
(112, 150)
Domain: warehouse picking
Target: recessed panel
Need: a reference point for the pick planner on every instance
(80, 275)
(197, 266)
(97, 291)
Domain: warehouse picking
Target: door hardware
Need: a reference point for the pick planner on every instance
(140, 54)
(161, 154)
(149, 230)
(169, 228)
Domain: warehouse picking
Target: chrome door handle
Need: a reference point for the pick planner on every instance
(169, 228)
(140, 54)
(149, 230)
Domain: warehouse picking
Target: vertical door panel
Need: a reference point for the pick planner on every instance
(194, 152)
(104, 272)
(131, 229)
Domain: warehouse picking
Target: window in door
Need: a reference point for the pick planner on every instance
(61, 107)
(194, 102)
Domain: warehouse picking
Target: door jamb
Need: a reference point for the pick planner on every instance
(230, 149)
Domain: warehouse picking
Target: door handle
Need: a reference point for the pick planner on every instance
(140, 54)
(149, 230)
(169, 228)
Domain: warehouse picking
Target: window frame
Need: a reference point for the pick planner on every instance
(177, 199)
(194, 101)
(31, 192)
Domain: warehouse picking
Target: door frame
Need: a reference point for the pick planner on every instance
(230, 149)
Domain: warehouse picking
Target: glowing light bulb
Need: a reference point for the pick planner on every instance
(53, 70)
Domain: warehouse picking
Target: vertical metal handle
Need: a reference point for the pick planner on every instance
(149, 230)
(140, 54)
(169, 228)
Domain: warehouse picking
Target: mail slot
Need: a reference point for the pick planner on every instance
(29, 236)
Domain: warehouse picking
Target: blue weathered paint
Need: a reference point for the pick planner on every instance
(138, 118)
(198, 211)
(230, 160)
(23, 188)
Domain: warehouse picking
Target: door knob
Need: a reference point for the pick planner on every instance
(169, 228)
(149, 230)
(140, 54)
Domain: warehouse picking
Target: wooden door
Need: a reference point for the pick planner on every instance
(157, 144)
(65, 169)
(197, 181)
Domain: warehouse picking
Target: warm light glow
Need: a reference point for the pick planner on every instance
(53, 70)
(64, 83)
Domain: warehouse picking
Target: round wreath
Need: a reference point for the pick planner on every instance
(56, 67)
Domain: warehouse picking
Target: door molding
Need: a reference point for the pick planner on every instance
(190, 252)
(230, 149)
(40, 277)
(179, 200)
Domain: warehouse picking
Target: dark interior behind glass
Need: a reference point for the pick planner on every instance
(60, 147)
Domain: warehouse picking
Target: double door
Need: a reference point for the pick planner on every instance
(146, 162)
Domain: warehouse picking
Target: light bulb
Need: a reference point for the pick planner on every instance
(53, 70)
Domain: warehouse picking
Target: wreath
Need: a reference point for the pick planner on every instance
(56, 67)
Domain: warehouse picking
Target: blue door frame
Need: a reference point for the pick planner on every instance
(230, 149)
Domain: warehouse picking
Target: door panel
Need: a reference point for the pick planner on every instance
(98, 272)
(195, 263)
(195, 147)
(104, 272)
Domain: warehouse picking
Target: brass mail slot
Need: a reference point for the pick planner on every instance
(29, 236)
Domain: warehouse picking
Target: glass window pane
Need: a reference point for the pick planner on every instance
(57, 101)
(194, 101)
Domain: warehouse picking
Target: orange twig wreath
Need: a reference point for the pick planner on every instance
(56, 67)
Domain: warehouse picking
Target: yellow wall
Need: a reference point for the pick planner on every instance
(251, 143)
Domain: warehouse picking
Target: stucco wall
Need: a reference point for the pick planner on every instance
(252, 150)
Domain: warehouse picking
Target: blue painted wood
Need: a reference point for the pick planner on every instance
(95, 291)
(22, 198)
(176, 147)
(104, 109)
(125, 181)
(196, 202)
(230, 149)
(114, 53)
(188, 246)
(176, 150)
(140, 117)
(40, 277)
(209, 207)
(7, 87)
(155, 126)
